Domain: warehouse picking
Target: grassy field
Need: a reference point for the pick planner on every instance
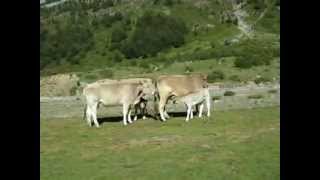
(239, 144)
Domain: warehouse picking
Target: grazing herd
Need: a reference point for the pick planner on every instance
(134, 94)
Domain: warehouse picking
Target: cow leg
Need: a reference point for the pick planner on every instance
(191, 111)
(166, 113)
(125, 113)
(89, 115)
(162, 104)
(136, 107)
(129, 116)
(144, 111)
(197, 108)
(188, 112)
(200, 110)
(94, 114)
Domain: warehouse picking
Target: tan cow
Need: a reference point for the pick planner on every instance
(168, 86)
(149, 90)
(111, 94)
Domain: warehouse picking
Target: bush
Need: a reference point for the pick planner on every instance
(107, 73)
(212, 44)
(244, 62)
(188, 69)
(117, 57)
(261, 80)
(91, 77)
(215, 98)
(118, 33)
(144, 65)
(256, 96)
(235, 78)
(229, 93)
(215, 75)
(133, 62)
(149, 38)
(272, 91)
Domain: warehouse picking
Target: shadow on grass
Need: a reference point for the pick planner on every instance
(116, 119)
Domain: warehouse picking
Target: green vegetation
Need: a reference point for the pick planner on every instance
(215, 98)
(214, 76)
(86, 37)
(255, 96)
(239, 144)
(229, 93)
(260, 80)
(272, 91)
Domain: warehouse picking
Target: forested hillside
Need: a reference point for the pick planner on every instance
(231, 40)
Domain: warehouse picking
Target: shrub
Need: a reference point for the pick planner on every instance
(256, 96)
(188, 69)
(229, 93)
(144, 65)
(107, 73)
(215, 75)
(91, 77)
(261, 80)
(149, 38)
(272, 91)
(132, 62)
(235, 78)
(212, 44)
(118, 33)
(215, 98)
(117, 57)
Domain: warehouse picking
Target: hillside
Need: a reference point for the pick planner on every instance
(233, 41)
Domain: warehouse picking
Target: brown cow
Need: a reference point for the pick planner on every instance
(168, 86)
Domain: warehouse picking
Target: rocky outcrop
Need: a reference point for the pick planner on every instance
(59, 85)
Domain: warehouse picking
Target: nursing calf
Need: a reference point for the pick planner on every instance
(195, 99)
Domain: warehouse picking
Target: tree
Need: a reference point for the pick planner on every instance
(149, 38)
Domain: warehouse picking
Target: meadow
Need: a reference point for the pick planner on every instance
(235, 144)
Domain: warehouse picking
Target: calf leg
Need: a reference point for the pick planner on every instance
(200, 110)
(208, 105)
(89, 115)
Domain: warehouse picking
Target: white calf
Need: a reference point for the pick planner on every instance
(196, 98)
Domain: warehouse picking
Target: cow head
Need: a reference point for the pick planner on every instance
(148, 88)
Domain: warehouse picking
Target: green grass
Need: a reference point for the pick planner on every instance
(240, 144)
